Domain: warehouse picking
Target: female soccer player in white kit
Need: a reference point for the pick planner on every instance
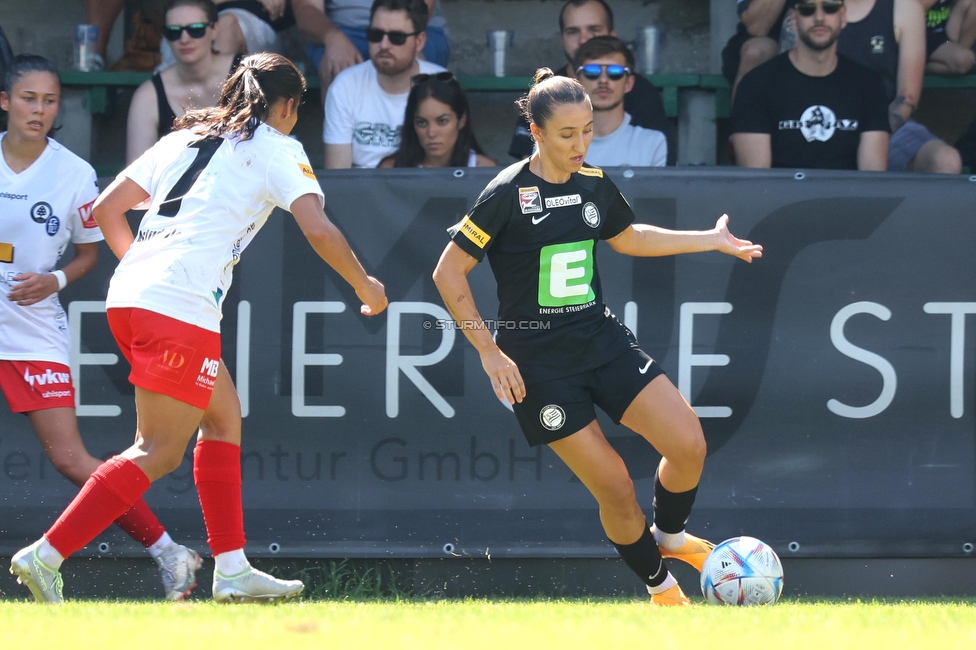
(212, 185)
(46, 197)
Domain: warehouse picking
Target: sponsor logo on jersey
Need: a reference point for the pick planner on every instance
(565, 273)
(552, 417)
(52, 226)
(170, 362)
(13, 197)
(218, 294)
(46, 378)
(6, 253)
(530, 201)
(473, 232)
(818, 123)
(537, 220)
(85, 212)
(41, 211)
(307, 171)
(591, 171)
(563, 201)
(591, 215)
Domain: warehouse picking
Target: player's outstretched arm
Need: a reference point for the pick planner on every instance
(332, 247)
(643, 240)
(109, 212)
(451, 278)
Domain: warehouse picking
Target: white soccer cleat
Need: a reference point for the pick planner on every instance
(253, 586)
(43, 581)
(178, 567)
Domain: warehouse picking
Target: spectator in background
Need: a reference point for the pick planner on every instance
(244, 27)
(365, 104)
(336, 34)
(889, 36)
(756, 39)
(950, 35)
(195, 81)
(604, 67)
(579, 21)
(809, 107)
(437, 125)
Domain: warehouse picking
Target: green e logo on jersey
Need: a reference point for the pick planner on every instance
(565, 272)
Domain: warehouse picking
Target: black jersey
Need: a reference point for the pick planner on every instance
(540, 239)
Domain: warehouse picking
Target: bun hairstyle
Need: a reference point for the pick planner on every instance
(258, 82)
(549, 91)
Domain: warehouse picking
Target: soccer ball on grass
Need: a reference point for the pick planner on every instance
(742, 571)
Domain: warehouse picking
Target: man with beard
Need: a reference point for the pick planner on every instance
(604, 67)
(810, 107)
(365, 104)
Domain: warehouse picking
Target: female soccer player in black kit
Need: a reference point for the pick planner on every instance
(539, 221)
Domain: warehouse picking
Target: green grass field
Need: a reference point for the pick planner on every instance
(495, 624)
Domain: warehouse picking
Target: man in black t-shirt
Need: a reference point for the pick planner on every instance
(579, 21)
(811, 107)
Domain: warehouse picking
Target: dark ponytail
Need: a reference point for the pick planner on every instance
(246, 99)
(549, 91)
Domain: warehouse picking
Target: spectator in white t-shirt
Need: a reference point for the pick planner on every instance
(365, 105)
(604, 67)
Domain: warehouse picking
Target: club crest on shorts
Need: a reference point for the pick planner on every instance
(591, 215)
(530, 201)
(552, 417)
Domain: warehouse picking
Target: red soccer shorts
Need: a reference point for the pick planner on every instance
(167, 355)
(36, 385)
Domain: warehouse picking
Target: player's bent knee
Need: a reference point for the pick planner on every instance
(948, 161)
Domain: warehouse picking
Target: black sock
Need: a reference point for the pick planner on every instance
(671, 509)
(644, 558)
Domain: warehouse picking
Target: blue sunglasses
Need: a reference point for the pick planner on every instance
(594, 70)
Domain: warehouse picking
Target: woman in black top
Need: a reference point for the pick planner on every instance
(561, 350)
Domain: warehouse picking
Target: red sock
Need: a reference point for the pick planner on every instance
(141, 524)
(109, 492)
(217, 474)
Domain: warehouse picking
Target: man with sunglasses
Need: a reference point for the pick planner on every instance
(335, 31)
(810, 107)
(604, 68)
(889, 36)
(579, 21)
(365, 105)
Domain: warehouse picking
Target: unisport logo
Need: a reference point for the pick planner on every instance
(565, 273)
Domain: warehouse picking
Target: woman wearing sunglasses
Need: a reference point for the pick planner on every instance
(194, 81)
(437, 127)
(538, 222)
(211, 186)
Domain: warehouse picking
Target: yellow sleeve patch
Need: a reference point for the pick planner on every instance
(6, 253)
(307, 171)
(591, 171)
(472, 232)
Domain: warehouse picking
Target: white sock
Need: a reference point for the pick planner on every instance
(232, 563)
(48, 554)
(156, 548)
(664, 586)
(670, 541)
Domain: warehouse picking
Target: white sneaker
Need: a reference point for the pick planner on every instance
(43, 581)
(177, 567)
(253, 586)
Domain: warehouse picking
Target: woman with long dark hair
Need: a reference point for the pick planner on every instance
(538, 222)
(48, 194)
(437, 129)
(211, 185)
